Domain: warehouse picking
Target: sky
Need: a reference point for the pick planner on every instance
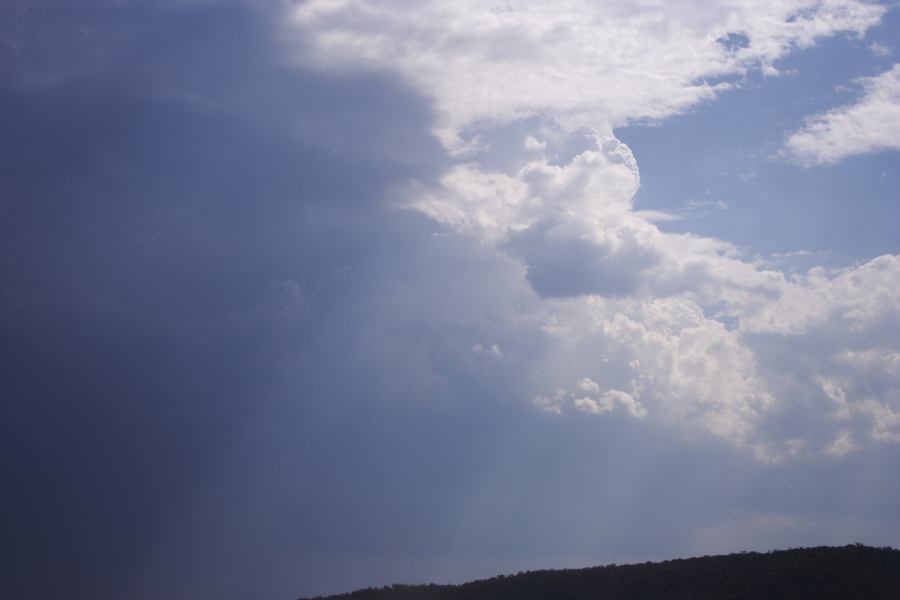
(301, 297)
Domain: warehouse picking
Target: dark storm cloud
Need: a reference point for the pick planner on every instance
(179, 206)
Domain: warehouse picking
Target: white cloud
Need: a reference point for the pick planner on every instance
(574, 227)
(678, 328)
(675, 329)
(777, 391)
(571, 224)
(854, 299)
(843, 444)
(677, 365)
(552, 404)
(880, 50)
(532, 143)
(587, 64)
(587, 397)
(870, 125)
(492, 350)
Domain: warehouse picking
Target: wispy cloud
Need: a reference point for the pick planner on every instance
(880, 50)
(870, 125)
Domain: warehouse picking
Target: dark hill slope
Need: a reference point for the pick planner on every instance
(851, 572)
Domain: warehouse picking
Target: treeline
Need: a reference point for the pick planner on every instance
(824, 573)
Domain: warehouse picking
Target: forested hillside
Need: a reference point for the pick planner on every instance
(824, 573)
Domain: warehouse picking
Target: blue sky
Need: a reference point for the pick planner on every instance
(304, 297)
(773, 207)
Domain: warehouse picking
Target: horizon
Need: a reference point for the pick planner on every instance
(502, 576)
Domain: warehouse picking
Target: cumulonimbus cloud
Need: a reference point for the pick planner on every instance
(638, 323)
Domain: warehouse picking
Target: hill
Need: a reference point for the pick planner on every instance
(824, 573)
